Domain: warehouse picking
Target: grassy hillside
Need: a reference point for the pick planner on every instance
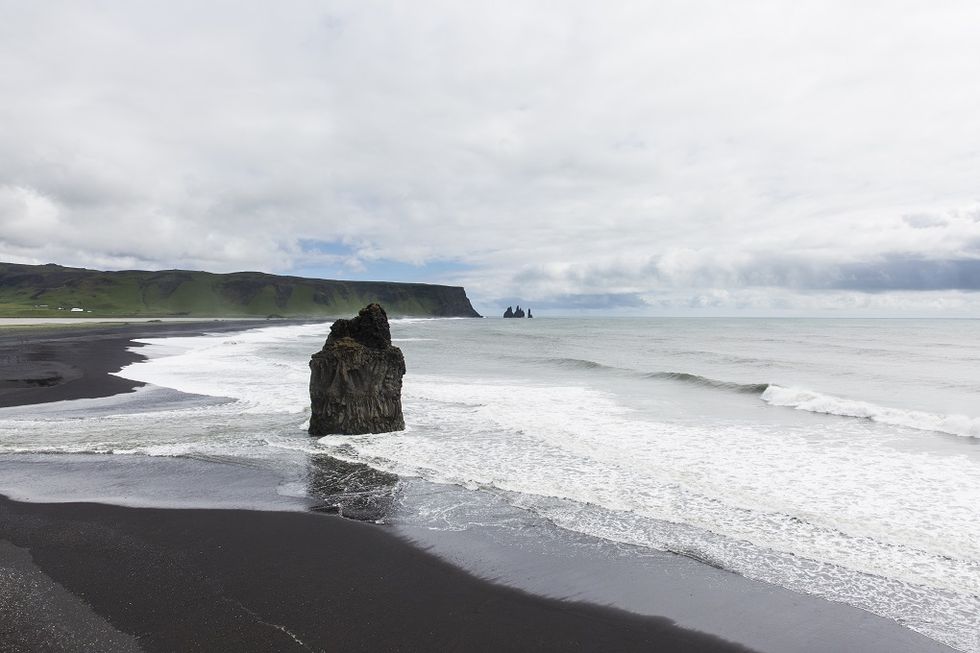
(53, 291)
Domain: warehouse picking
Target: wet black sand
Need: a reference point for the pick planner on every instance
(234, 580)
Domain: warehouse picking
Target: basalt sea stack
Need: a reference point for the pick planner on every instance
(356, 379)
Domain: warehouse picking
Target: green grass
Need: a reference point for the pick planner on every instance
(52, 291)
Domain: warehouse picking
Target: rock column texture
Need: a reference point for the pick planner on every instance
(356, 379)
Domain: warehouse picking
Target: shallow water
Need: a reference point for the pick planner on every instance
(839, 458)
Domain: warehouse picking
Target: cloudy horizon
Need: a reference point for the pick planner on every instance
(694, 158)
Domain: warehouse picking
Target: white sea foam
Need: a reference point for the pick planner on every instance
(248, 367)
(815, 402)
(770, 503)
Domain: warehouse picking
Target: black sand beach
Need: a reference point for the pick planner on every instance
(56, 363)
(92, 577)
(231, 580)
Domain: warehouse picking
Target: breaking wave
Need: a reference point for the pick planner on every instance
(815, 402)
(807, 400)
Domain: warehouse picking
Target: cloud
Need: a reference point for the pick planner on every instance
(583, 302)
(911, 274)
(924, 221)
(695, 151)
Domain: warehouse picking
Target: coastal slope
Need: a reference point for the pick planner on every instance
(53, 290)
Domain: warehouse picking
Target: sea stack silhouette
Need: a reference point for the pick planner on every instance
(356, 379)
(519, 312)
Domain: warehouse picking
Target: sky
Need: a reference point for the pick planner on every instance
(663, 157)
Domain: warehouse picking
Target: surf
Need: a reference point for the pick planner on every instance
(816, 402)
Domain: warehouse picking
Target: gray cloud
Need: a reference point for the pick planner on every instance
(583, 302)
(697, 151)
(890, 273)
(924, 221)
(911, 274)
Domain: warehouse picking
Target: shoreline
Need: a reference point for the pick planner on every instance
(94, 553)
(43, 364)
(77, 576)
(689, 595)
(237, 580)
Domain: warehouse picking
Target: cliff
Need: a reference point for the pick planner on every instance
(54, 291)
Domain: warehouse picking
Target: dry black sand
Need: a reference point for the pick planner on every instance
(233, 580)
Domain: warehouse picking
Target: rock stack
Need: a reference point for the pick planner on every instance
(510, 312)
(356, 379)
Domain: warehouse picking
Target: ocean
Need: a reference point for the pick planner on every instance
(836, 458)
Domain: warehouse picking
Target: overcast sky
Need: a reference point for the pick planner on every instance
(682, 157)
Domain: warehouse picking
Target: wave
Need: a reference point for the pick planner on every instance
(815, 402)
(154, 451)
(704, 381)
(580, 363)
(683, 377)
(807, 400)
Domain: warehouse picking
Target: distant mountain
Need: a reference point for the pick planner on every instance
(53, 290)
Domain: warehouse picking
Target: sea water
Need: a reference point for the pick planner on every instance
(839, 458)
